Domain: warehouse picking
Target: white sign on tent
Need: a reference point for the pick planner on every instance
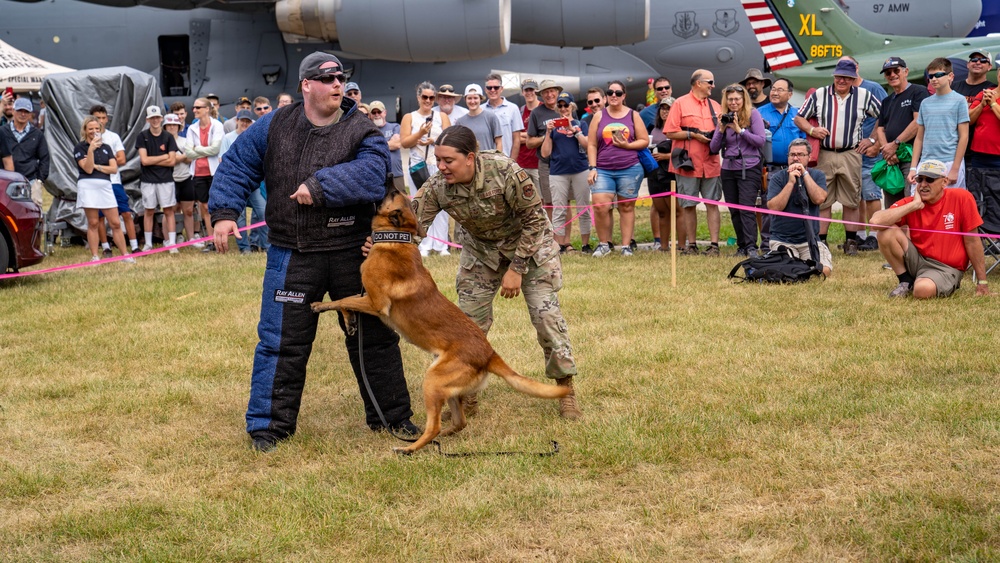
(23, 72)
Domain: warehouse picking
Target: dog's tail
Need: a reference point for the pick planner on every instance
(523, 384)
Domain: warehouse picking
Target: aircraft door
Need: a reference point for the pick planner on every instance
(175, 65)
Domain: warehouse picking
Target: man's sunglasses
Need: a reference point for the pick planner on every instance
(926, 180)
(328, 78)
(659, 88)
(709, 82)
(593, 102)
(493, 87)
(376, 112)
(616, 93)
(262, 108)
(983, 60)
(896, 70)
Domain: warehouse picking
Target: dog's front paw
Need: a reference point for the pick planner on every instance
(402, 451)
(319, 306)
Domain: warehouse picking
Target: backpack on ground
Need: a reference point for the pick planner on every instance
(777, 266)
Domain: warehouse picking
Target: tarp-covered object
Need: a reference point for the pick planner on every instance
(23, 72)
(126, 93)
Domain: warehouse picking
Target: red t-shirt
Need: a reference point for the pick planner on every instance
(955, 211)
(201, 167)
(526, 158)
(987, 133)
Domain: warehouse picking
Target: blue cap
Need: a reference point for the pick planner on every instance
(245, 114)
(23, 104)
(565, 96)
(846, 68)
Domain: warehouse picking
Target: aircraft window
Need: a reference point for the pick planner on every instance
(175, 65)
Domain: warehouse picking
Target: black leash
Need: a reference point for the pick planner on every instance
(389, 429)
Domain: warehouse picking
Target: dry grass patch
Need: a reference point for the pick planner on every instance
(810, 422)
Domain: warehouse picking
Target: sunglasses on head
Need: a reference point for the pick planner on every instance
(938, 74)
(979, 60)
(426, 98)
(328, 78)
(593, 102)
(493, 87)
(615, 93)
(734, 89)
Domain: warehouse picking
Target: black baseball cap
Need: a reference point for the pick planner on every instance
(893, 62)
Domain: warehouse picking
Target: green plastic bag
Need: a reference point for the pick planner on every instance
(890, 177)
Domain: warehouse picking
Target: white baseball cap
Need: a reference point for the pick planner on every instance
(153, 111)
(474, 89)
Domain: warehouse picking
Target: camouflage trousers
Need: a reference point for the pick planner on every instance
(478, 286)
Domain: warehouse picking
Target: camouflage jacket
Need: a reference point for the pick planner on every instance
(500, 209)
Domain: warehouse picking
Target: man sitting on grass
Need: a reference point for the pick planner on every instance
(928, 260)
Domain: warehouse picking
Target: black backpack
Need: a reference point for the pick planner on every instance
(777, 266)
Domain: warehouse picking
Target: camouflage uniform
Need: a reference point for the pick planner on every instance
(506, 228)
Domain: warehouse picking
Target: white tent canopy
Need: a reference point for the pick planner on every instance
(23, 72)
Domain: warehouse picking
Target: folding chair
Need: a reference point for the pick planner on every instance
(984, 184)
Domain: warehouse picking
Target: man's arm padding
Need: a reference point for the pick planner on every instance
(361, 180)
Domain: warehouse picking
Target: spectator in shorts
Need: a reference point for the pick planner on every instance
(565, 147)
(897, 121)
(659, 182)
(156, 154)
(96, 162)
(928, 260)
(112, 139)
(942, 125)
(204, 139)
(690, 125)
(549, 91)
(616, 136)
(183, 183)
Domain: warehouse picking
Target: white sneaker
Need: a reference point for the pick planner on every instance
(656, 246)
(147, 247)
(95, 258)
(626, 251)
(198, 245)
(445, 252)
(128, 260)
(424, 253)
(174, 251)
(602, 250)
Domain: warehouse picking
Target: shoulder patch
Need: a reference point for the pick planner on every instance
(522, 176)
(529, 191)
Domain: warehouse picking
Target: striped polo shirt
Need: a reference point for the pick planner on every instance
(843, 117)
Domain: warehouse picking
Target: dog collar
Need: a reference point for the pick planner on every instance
(392, 236)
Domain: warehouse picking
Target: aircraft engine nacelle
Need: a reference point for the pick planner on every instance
(403, 30)
(571, 23)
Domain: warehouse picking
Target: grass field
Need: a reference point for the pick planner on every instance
(813, 422)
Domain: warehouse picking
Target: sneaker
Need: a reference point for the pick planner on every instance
(128, 260)
(147, 247)
(445, 252)
(263, 442)
(656, 245)
(210, 247)
(712, 250)
(245, 251)
(95, 258)
(627, 251)
(869, 244)
(633, 245)
(587, 249)
(603, 249)
(174, 250)
(107, 253)
(886, 266)
(902, 290)
(690, 250)
(425, 253)
(851, 247)
(198, 245)
(134, 249)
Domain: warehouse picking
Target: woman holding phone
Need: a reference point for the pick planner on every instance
(417, 132)
(96, 163)
(616, 135)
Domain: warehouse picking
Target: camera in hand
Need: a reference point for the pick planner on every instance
(727, 118)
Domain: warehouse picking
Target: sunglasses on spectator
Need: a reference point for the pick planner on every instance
(926, 180)
(427, 98)
(658, 88)
(376, 112)
(493, 87)
(979, 60)
(938, 74)
(328, 78)
(616, 93)
(709, 82)
(199, 107)
(261, 108)
(893, 71)
(593, 102)
(562, 105)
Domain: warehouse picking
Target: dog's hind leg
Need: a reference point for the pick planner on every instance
(457, 417)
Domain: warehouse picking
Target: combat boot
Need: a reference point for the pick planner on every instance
(567, 404)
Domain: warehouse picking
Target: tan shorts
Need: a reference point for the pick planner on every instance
(946, 278)
(801, 251)
(843, 177)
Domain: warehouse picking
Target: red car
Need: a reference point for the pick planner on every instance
(21, 224)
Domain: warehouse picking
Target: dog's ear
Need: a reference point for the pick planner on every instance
(396, 218)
